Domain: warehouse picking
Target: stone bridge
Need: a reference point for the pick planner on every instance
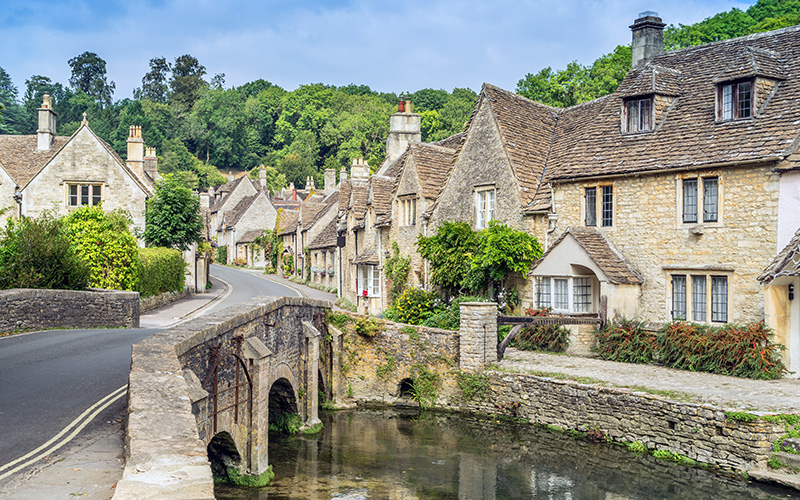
(229, 370)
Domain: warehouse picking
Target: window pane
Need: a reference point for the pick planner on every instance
(744, 100)
(632, 116)
(413, 211)
(690, 200)
(73, 195)
(582, 294)
(699, 298)
(489, 206)
(96, 198)
(719, 299)
(710, 199)
(84, 195)
(481, 221)
(543, 292)
(727, 102)
(375, 287)
(679, 296)
(561, 294)
(591, 206)
(608, 206)
(644, 114)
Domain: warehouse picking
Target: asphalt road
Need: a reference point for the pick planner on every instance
(49, 379)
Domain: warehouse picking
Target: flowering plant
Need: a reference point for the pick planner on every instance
(364, 294)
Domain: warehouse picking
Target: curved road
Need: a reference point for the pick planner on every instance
(53, 383)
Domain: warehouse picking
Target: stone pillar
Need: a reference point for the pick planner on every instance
(258, 356)
(311, 400)
(478, 336)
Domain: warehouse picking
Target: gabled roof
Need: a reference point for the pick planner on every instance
(451, 142)
(250, 236)
(326, 238)
(359, 196)
(380, 195)
(226, 189)
(288, 222)
(600, 251)
(786, 263)
(750, 62)
(20, 157)
(330, 203)
(651, 79)
(433, 164)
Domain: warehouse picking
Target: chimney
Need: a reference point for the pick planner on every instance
(359, 169)
(310, 183)
(212, 195)
(404, 129)
(151, 163)
(342, 175)
(330, 181)
(47, 124)
(205, 200)
(262, 176)
(648, 38)
(231, 177)
(136, 150)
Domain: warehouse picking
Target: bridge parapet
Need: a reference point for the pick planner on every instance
(213, 375)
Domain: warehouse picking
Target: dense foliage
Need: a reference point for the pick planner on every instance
(104, 242)
(740, 351)
(414, 306)
(449, 318)
(550, 338)
(578, 83)
(162, 269)
(450, 252)
(172, 217)
(37, 253)
(396, 269)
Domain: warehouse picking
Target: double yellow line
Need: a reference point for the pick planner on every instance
(63, 437)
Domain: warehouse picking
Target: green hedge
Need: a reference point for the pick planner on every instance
(736, 350)
(163, 270)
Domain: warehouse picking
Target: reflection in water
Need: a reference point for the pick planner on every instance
(387, 455)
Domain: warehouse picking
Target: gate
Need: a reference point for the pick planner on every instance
(235, 396)
(521, 322)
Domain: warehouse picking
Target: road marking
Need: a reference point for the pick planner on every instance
(81, 422)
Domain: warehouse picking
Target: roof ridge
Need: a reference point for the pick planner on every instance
(752, 36)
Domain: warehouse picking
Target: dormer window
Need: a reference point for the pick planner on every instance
(638, 115)
(735, 100)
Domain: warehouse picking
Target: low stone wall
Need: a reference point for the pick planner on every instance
(150, 303)
(36, 309)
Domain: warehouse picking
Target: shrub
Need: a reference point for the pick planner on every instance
(222, 255)
(415, 305)
(104, 241)
(366, 327)
(37, 253)
(551, 338)
(626, 341)
(450, 318)
(162, 271)
(240, 262)
(288, 263)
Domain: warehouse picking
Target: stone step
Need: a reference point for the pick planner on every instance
(789, 459)
(776, 477)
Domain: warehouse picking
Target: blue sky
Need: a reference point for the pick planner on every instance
(389, 45)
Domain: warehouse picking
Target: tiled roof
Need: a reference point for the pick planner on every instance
(288, 222)
(381, 194)
(786, 263)
(589, 142)
(601, 252)
(433, 164)
(368, 256)
(451, 142)
(20, 157)
(326, 238)
(345, 189)
(249, 236)
(239, 210)
(331, 203)
(651, 79)
(226, 189)
(308, 212)
(358, 199)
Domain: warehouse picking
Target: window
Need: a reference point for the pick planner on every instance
(696, 306)
(408, 211)
(735, 101)
(84, 194)
(567, 294)
(693, 198)
(639, 115)
(591, 206)
(369, 280)
(484, 208)
(604, 206)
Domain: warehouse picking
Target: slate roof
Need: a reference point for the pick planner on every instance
(786, 263)
(381, 188)
(22, 160)
(433, 164)
(359, 198)
(235, 215)
(651, 79)
(226, 189)
(288, 222)
(326, 238)
(368, 256)
(601, 252)
(249, 236)
(451, 142)
(330, 203)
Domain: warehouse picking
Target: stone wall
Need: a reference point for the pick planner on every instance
(650, 235)
(150, 303)
(34, 309)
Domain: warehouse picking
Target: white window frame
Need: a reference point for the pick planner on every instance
(94, 198)
(550, 283)
(699, 283)
(485, 205)
(702, 214)
(371, 276)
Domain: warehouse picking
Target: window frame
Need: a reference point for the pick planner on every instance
(604, 206)
(485, 206)
(372, 276)
(688, 296)
(93, 194)
(699, 200)
(408, 211)
(639, 126)
(735, 97)
(546, 293)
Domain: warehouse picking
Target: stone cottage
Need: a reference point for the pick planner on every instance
(49, 172)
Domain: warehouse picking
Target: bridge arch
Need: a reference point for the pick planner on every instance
(223, 455)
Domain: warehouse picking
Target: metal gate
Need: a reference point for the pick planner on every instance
(222, 362)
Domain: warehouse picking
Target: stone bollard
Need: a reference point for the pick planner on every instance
(478, 336)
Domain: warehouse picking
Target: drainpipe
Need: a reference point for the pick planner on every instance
(18, 199)
(552, 219)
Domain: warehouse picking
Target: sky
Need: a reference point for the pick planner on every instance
(392, 46)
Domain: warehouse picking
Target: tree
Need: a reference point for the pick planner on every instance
(89, 75)
(37, 253)
(104, 242)
(187, 81)
(155, 86)
(450, 252)
(14, 118)
(274, 182)
(172, 217)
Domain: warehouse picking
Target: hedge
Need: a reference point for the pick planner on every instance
(163, 270)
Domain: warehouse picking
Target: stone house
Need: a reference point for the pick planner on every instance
(324, 253)
(49, 172)
(665, 195)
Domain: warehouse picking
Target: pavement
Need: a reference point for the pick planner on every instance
(90, 466)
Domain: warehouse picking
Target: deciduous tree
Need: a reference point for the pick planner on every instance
(172, 216)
